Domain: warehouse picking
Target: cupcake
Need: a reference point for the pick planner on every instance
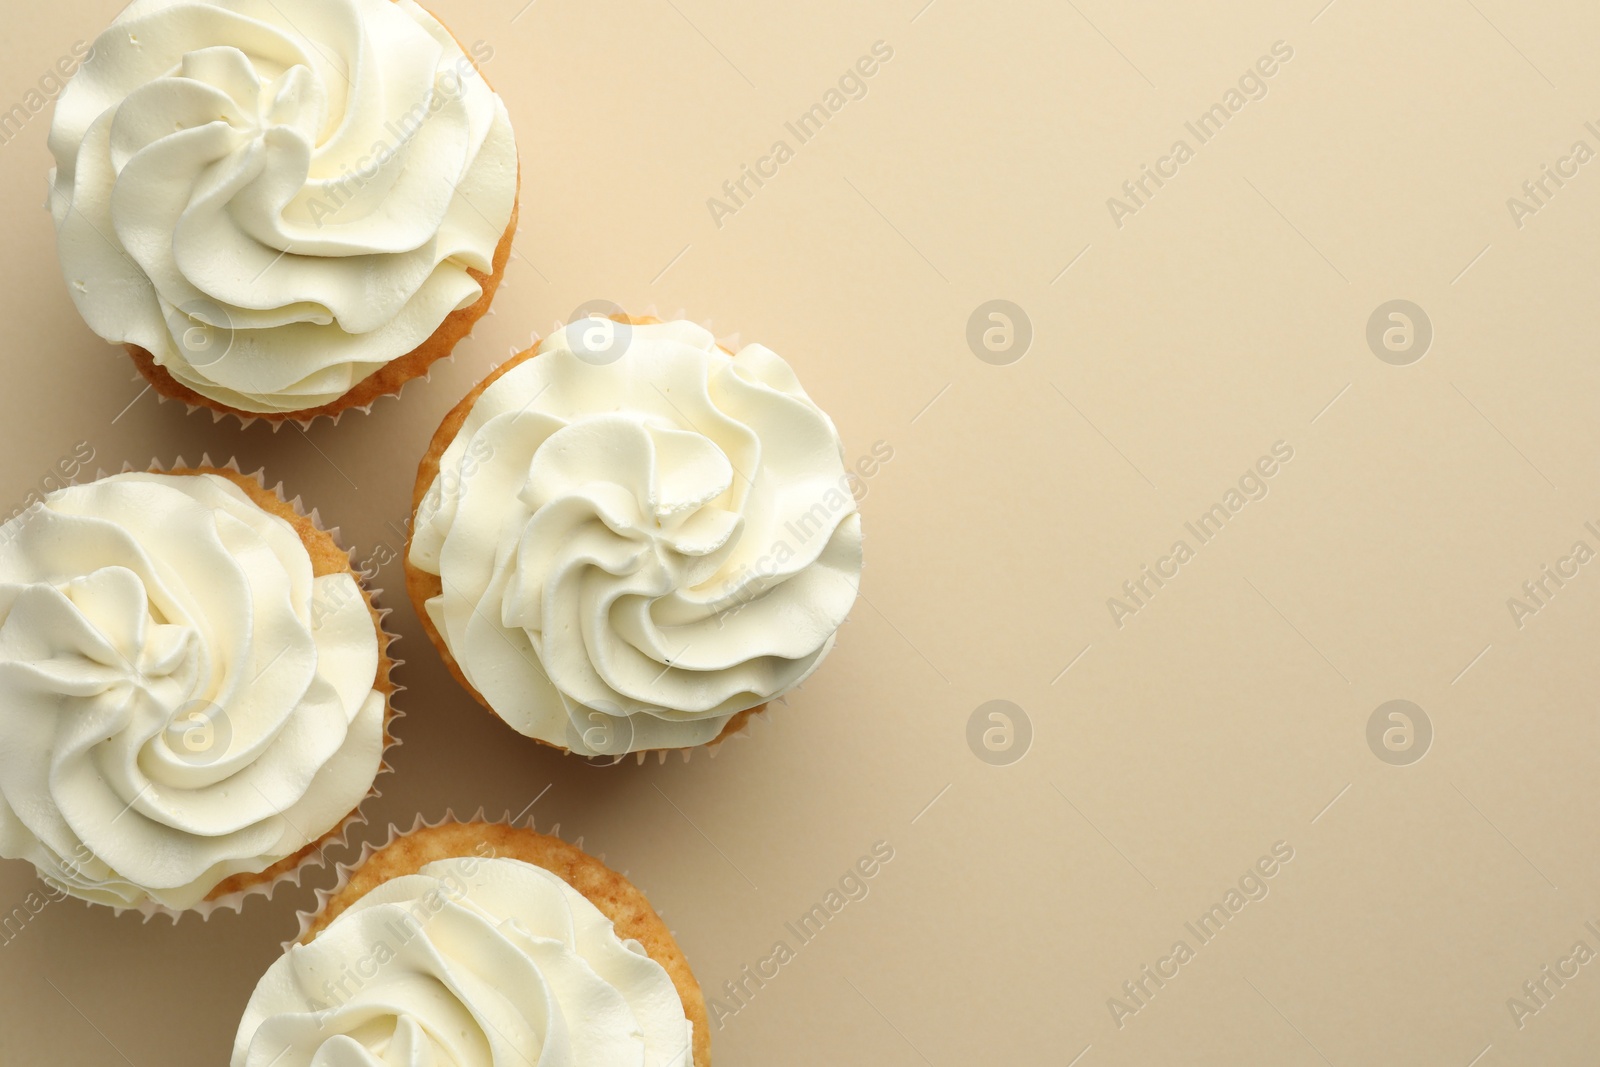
(194, 690)
(283, 209)
(629, 539)
(478, 945)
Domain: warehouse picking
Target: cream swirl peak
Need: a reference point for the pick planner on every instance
(631, 544)
(181, 699)
(470, 962)
(276, 198)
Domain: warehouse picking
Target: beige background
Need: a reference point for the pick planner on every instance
(1228, 714)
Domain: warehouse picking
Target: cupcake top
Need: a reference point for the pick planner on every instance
(181, 699)
(636, 536)
(275, 198)
(471, 962)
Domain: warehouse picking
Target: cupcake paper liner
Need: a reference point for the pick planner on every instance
(247, 419)
(307, 918)
(738, 729)
(505, 250)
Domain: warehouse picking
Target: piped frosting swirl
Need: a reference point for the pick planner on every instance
(637, 539)
(275, 198)
(181, 698)
(471, 962)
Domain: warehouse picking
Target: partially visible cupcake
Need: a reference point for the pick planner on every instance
(284, 209)
(194, 690)
(478, 945)
(629, 539)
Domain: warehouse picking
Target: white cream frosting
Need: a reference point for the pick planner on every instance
(632, 552)
(471, 962)
(275, 198)
(181, 700)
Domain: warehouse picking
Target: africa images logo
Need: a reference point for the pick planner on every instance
(1251, 887)
(1140, 190)
(1252, 485)
(753, 177)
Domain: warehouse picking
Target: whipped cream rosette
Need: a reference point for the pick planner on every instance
(478, 945)
(283, 208)
(194, 690)
(628, 538)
